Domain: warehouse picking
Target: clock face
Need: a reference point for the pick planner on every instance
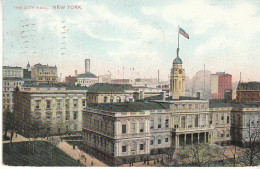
(180, 71)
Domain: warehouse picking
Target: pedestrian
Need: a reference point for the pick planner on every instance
(154, 162)
(92, 163)
(85, 159)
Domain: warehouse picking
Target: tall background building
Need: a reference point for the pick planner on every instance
(44, 73)
(221, 83)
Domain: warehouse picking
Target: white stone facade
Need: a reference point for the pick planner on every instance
(58, 109)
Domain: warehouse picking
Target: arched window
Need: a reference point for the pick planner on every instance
(105, 99)
(111, 99)
(118, 99)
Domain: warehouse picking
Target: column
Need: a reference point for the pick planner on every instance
(205, 135)
(191, 138)
(177, 141)
(185, 139)
(211, 140)
(198, 138)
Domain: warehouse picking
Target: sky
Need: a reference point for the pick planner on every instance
(133, 38)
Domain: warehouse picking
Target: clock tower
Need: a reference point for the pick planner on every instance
(177, 78)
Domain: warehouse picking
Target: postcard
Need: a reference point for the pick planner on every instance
(131, 83)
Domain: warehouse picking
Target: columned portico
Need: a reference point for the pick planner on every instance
(183, 139)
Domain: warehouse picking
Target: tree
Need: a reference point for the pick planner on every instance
(54, 142)
(196, 155)
(8, 123)
(34, 129)
(251, 142)
(248, 135)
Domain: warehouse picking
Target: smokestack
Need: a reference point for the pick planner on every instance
(76, 72)
(158, 76)
(87, 65)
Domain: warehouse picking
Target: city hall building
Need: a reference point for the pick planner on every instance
(121, 131)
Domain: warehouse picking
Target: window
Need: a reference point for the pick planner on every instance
(176, 122)
(159, 123)
(167, 123)
(141, 146)
(67, 103)
(152, 124)
(59, 114)
(75, 115)
(190, 121)
(105, 99)
(48, 117)
(75, 102)
(37, 104)
(123, 148)
(159, 141)
(123, 129)
(132, 127)
(111, 99)
(151, 142)
(58, 103)
(222, 117)
(118, 99)
(166, 140)
(183, 122)
(227, 119)
(48, 104)
(197, 121)
(141, 127)
(67, 115)
(37, 115)
(189, 106)
(83, 103)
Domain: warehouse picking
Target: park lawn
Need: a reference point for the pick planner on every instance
(20, 154)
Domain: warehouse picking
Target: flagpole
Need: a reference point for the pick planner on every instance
(178, 35)
(178, 41)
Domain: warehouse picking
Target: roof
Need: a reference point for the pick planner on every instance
(87, 75)
(130, 106)
(10, 67)
(169, 98)
(248, 86)
(177, 60)
(223, 104)
(70, 87)
(12, 78)
(109, 88)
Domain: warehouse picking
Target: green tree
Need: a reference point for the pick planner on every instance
(8, 122)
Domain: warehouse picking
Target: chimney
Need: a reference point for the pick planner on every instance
(76, 72)
(87, 65)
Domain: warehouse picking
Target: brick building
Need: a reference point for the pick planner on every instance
(248, 92)
(221, 83)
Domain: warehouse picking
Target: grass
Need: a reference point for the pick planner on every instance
(21, 154)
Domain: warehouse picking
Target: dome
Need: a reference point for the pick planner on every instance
(177, 60)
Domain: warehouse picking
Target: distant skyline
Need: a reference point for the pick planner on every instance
(224, 35)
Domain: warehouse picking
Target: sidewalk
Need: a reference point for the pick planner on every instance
(16, 138)
(75, 154)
